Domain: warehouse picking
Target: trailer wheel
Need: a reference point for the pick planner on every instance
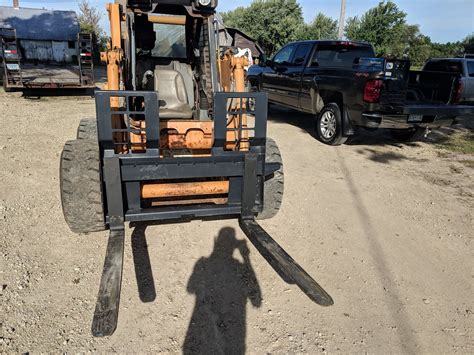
(274, 184)
(81, 186)
(329, 125)
(87, 129)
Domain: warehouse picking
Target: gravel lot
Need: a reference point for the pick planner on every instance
(385, 228)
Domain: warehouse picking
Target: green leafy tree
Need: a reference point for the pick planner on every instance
(272, 23)
(468, 44)
(321, 28)
(89, 20)
(446, 50)
(420, 50)
(382, 26)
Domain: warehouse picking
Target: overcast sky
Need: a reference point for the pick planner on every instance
(442, 20)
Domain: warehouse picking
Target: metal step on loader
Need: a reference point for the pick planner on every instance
(177, 137)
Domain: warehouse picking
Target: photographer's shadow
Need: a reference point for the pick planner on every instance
(222, 285)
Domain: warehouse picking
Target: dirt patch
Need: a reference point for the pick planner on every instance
(385, 228)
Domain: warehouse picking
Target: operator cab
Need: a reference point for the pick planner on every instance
(170, 48)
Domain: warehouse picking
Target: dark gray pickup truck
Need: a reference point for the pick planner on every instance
(345, 87)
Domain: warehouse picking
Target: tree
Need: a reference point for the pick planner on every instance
(446, 50)
(89, 17)
(272, 23)
(322, 27)
(468, 44)
(382, 26)
(89, 20)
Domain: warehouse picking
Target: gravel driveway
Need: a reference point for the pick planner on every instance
(385, 228)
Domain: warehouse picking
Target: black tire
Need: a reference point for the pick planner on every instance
(408, 135)
(87, 129)
(329, 125)
(81, 186)
(274, 185)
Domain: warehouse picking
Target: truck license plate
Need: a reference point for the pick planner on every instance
(415, 118)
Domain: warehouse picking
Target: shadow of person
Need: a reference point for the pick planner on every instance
(222, 285)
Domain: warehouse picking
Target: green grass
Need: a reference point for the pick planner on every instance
(459, 143)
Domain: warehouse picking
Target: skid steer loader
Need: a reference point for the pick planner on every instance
(176, 137)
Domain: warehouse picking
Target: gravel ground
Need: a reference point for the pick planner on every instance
(386, 228)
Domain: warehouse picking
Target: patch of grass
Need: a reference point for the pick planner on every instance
(459, 143)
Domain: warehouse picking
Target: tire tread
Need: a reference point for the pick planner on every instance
(81, 188)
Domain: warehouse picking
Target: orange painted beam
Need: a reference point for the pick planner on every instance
(185, 189)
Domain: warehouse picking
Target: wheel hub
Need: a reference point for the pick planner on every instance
(328, 125)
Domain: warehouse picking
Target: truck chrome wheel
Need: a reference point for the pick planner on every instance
(328, 125)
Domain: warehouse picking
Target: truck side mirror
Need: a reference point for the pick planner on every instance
(262, 60)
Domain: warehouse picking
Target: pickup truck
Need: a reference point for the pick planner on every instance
(345, 86)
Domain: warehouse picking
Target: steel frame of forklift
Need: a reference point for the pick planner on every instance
(126, 170)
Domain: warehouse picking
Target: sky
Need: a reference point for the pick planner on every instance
(442, 20)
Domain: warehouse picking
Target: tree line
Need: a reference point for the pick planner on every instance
(274, 23)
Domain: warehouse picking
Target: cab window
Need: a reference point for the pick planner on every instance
(454, 67)
(283, 57)
(301, 54)
(470, 68)
(170, 41)
(340, 55)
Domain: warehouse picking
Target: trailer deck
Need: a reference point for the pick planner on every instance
(20, 74)
(52, 76)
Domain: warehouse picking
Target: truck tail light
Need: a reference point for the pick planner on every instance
(458, 92)
(372, 90)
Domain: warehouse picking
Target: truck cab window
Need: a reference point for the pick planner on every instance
(301, 54)
(341, 55)
(283, 57)
(470, 68)
(454, 67)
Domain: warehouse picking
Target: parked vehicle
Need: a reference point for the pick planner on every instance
(346, 87)
(462, 66)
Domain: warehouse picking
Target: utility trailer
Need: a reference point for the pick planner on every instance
(19, 75)
(176, 137)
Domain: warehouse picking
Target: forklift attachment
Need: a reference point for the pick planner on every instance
(108, 300)
(190, 144)
(283, 264)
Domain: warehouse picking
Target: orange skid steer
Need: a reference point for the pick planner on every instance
(177, 137)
